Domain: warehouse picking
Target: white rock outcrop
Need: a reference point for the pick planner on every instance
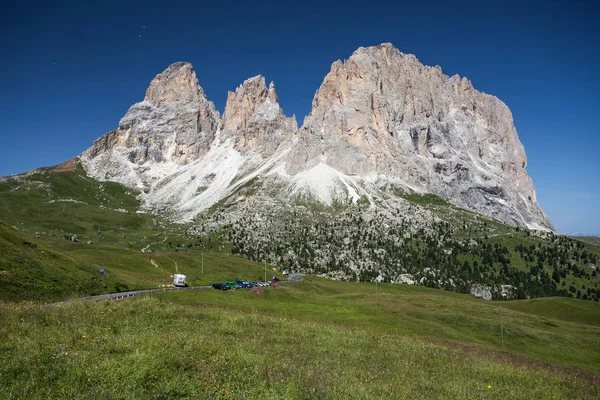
(483, 291)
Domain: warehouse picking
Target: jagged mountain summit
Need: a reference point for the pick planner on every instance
(380, 121)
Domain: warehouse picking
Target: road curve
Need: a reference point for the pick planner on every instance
(128, 295)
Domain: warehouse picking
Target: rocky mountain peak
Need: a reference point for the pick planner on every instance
(177, 83)
(174, 124)
(272, 95)
(244, 102)
(254, 118)
(380, 120)
(383, 113)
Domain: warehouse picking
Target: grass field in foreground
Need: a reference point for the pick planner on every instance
(531, 330)
(316, 339)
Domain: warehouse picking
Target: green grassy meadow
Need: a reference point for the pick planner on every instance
(313, 339)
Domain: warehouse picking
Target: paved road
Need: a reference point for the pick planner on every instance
(128, 295)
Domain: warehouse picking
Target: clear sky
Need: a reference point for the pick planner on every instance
(70, 70)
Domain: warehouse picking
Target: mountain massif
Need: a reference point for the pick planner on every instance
(399, 173)
(381, 123)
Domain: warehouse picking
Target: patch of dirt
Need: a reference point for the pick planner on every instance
(157, 267)
(257, 291)
(67, 166)
(3, 272)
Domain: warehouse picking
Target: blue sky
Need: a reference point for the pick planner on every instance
(71, 70)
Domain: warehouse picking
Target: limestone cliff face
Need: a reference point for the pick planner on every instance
(379, 118)
(178, 83)
(175, 122)
(382, 112)
(253, 116)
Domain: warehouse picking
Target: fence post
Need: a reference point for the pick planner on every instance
(501, 329)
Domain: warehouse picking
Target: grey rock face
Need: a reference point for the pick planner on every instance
(253, 116)
(483, 291)
(379, 118)
(382, 112)
(175, 122)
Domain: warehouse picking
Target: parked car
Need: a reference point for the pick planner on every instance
(220, 286)
(232, 285)
(243, 283)
(274, 282)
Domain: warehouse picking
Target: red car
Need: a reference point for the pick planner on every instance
(274, 282)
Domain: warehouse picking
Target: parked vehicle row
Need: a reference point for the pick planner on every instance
(240, 284)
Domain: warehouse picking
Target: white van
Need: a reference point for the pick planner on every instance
(179, 280)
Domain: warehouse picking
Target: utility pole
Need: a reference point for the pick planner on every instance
(265, 261)
(202, 263)
(379, 277)
(501, 329)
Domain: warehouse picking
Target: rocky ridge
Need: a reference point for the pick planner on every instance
(380, 120)
(175, 123)
(253, 117)
(383, 114)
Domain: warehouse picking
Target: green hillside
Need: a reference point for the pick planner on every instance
(314, 339)
(49, 207)
(50, 269)
(40, 214)
(593, 240)
(55, 204)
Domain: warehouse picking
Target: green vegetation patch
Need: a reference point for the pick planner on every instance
(426, 199)
(154, 348)
(587, 313)
(52, 269)
(430, 313)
